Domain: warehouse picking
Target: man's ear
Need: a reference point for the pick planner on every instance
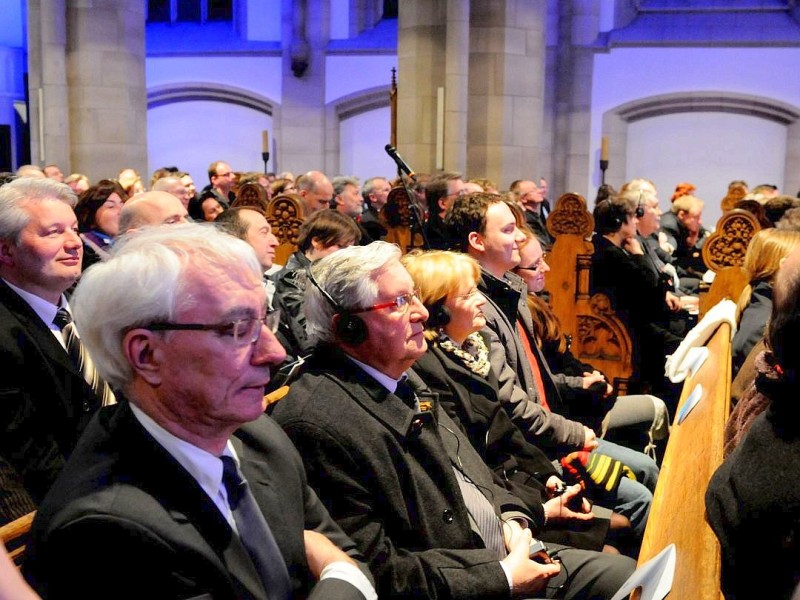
(144, 351)
(7, 252)
(475, 241)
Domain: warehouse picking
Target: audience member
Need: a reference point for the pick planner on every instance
(766, 252)
(765, 191)
(161, 173)
(790, 220)
(98, 211)
(282, 186)
(54, 173)
(131, 182)
(185, 489)
(752, 500)
(46, 398)
(530, 197)
(487, 184)
(172, 184)
(221, 178)
(684, 229)
(315, 191)
(30, 171)
(776, 207)
(151, 208)
(78, 183)
(394, 470)
(683, 189)
(441, 191)
(191, 190)
(487, 230)
(375, 193)
(322, 233)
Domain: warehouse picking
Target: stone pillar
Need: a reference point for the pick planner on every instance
(421, 51)
(456, 95)
(47, 83)
(301, 130)
(107, 91)
(575, 162)
(506, 89)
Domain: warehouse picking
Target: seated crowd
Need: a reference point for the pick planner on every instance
(436, 423)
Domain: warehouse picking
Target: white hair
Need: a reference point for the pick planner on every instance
(348, 276)
(25, 190)
(144, 282)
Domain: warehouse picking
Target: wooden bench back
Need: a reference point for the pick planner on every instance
(724, 253)
(14, 536)
(251, 194)
(693, 453)
(285, 216)
(598, 336)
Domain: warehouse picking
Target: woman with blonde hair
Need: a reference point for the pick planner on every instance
(763, 259)
(457, 367)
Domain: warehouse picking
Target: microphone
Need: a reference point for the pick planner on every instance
(401, 164)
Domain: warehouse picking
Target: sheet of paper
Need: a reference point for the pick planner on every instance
(690, 403)
(654, 577)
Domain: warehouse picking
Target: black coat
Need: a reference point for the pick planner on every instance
(386, 476)
(44, 401)
(126, 520)
(519, 466)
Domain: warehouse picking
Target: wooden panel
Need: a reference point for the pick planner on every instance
(693, 454)
(14, 534)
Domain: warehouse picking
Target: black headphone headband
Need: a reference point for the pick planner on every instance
(351, 329)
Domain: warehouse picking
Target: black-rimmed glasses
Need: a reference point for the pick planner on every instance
(243, 331)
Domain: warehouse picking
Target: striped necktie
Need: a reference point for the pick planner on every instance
(81, 359)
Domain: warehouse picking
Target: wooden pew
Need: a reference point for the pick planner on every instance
(724, 253)
(285, 216)
(693, 453)
(251, 194)
(14, 536)
(598, 336)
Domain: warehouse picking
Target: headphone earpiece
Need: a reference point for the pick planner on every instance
(351, 329)
(438, 314)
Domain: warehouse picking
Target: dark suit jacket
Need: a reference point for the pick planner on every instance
(44, 401)
(372, 225)
(125, 519)
(387, 478)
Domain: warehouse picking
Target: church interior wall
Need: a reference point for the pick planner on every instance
(624, 75)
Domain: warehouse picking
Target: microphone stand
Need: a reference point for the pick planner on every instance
(415, 213)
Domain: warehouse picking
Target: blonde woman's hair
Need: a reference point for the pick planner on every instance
(686, 203)
(763, 259)
(440, 274)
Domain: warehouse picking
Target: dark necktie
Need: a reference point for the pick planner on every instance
(406, 394)
(255, 534)
(81, 359)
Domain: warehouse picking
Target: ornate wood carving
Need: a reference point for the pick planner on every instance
(727, 246)
(285, 216)
(252, 194)
(570, 216)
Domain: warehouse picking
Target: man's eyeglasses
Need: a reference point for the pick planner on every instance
(535, 266)
(401, 302)
(243, 331)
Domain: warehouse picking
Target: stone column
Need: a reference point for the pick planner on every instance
(107, 91)
(506, 89)
(47, 83)
(574, 161)
(456, 95)
(301, 123)
(421, 51)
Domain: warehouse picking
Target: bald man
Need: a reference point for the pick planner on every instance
(316, 190)
(173, 185)
(151, 208)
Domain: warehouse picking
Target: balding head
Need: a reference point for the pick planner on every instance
(316, 191)
(151, 208)
(174, 186)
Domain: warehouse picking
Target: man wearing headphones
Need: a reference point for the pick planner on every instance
(393, 469)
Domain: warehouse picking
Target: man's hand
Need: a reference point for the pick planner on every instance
(589, 440)
(663, 241)
(527, 576)
(320, 552)
(673, 302)
(557, 508)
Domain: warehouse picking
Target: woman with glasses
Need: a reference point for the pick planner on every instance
(632, 421)
(456, 366)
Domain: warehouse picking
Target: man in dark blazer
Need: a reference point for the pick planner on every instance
(45, 402)
(395, 471)
(185, 489)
